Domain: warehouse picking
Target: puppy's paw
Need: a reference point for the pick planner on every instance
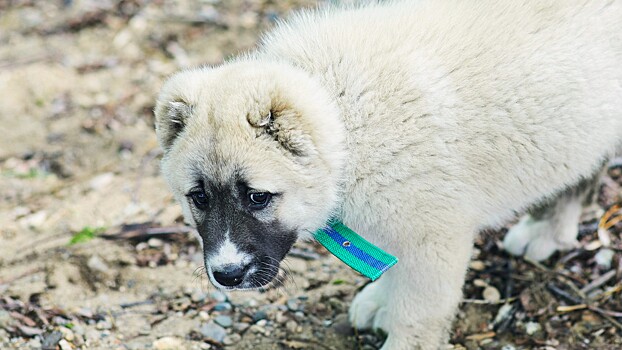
(539, 239)
(365, 307)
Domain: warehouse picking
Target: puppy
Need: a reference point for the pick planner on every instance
(416, 124)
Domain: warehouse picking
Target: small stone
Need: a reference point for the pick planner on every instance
(327, 323)
(213, 331)
(262, 323)
(259, 315)
(67, 333)
(293, 305)
(224, 320)
(491, 294)
(258, 329)
(532, 327)
(508, 347)
(240, 327)
(168, 343)
(103, 324)
(341, 325)
(100, 181)
(64, 345)
(223, 307)
(299, 316)
(281, 318)
(95, 263)
(218, 296)
(198, 296)
(477, 265)
(204, 316)
(291, 326)
(155, 243)
(232, 339)
(251, 303)
(603, 258)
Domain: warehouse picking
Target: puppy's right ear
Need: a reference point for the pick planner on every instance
(171, 118)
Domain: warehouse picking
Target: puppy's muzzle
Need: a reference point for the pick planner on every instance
(230, 275)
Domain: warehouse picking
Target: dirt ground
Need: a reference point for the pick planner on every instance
(93, 251)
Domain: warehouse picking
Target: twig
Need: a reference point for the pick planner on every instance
(598, 282)
(486, 302)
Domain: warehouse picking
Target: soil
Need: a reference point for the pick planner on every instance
(93, 250)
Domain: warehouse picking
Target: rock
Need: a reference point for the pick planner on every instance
(213, 331)
(258, 329)
(96, 264)
(168, 343)
(224, 320)
(104, 324)
(223, 307)
(35, 220)
(293, 305)
(491, 294)
(218, 296)
(198, 296)
(291, 326)
(341, 325)
(281, 318)
(50, 340)
(603, 258)
(204, 316)
(260, 315)
(232, 339)
(155, 243)
(532, 328)
(64, 345)
(100, 181)
(67, 333)
(240, 327)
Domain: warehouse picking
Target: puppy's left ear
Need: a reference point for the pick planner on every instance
(287, 127)
(171, 118)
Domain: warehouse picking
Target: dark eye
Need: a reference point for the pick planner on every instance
(199, 198)
(259, 200)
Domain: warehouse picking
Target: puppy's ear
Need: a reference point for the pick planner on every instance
(171, 118)
(287, 128)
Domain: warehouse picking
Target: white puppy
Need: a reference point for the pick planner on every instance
(415, 123)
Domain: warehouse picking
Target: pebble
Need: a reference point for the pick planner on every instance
(204, 316)
(223, 307)
(198, 296)
(168, 343)
(103, 324)
(299, 316)
(603, 258)
(337, 304)
(218, 296)
(281, 318)
(291, 326)
(259, 315)
(213, 331)
(67, 333)
(258, 329)
(341, 324)
(508, 347)
(232, 339)
(262, 323)
(95, 263)
(224, 320)
(293, 305)
(101, 181)
(64, 345)
(155, 242)
(240, 327)
(532, 327)
(491, 294)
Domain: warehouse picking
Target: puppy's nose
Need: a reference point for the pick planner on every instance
(230, 275)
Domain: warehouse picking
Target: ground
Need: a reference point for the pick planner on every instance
(93, 251)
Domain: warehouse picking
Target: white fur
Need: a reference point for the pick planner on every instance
(454, 115)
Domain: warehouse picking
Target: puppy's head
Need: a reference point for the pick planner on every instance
(252, 151)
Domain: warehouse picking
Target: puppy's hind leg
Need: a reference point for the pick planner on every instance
(553, 225)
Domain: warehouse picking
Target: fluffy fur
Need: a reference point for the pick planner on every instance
(417, 123)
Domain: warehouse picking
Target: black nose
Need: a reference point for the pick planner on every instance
(230, 275)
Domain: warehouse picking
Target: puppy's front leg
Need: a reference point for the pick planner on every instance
(415, 302)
